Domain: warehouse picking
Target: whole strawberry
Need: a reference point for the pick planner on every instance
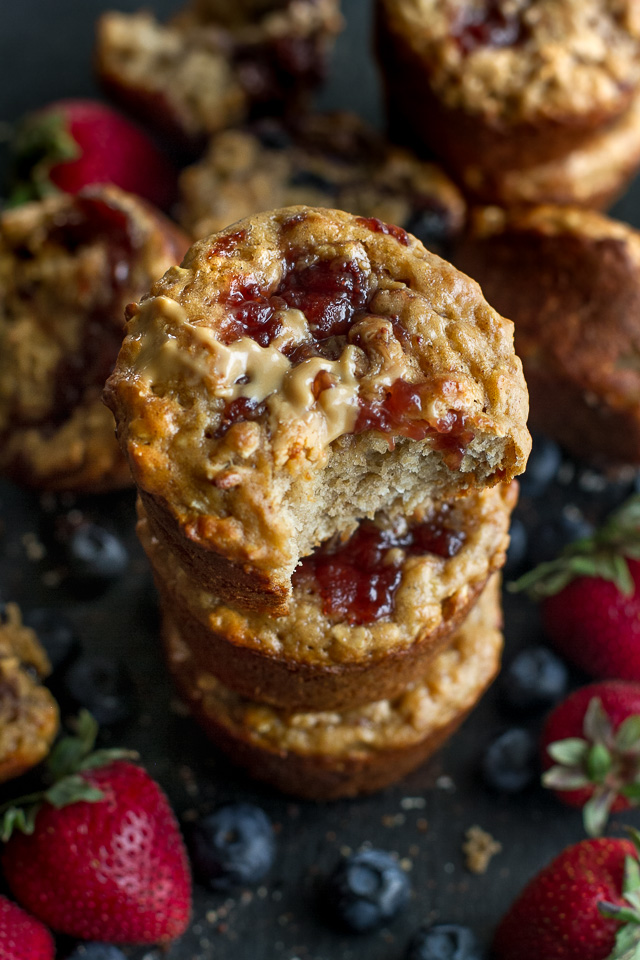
(585, 905)
(591, 750)
(591, 597)
(101, 858)
(22, 937)
(73, 144)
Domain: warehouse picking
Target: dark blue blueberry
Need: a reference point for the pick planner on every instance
(534, 680)
(510, 762)
(104, 687)
(95, 555)
(55, 632)
(444, 941)
(549, 539)
(232, 847)
(312, 181)
(272, 135)
(97, 951)
(518, 544)
(542, 467)
(366, 890)
(431, 225)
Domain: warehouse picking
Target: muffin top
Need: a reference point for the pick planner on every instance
(299, 327)
(333, 160)
(522, 59)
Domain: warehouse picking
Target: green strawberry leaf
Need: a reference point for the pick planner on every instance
(631, 877)
(627, 946)
(19, 818)
(597, 726)
(598, 763)
(627, 736)
(72, 789)
(100, 758)
(631, 791)
(564, 778)
(40, 143)
(602, 555)
(596, 810)
(571, 752)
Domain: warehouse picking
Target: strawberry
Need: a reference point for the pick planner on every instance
(591, 750)
(585, 905)
(591, 597)
(22, 937)
(73, 144)
(100, 855)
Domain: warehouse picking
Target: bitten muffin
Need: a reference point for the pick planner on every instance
(329, 754)
(300, 371)
(508, 84)
(68, 267)
(28, 713)
(215, 63)
(570, 279)
(332, 160)
(366, 614)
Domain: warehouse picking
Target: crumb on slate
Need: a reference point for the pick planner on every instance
(479, 847)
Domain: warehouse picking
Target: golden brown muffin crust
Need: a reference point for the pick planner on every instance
(325, 755)
(253, 448)
(571, 281)
(315, 657)
(28, 713)
(68, 267)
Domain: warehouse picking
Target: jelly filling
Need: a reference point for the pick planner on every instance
(487, 27)
(358, 579)
(92, 221)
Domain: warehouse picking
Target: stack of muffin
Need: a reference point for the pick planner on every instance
(323, 420)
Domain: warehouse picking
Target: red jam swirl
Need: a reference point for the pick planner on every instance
(357, 580)
(487, 27)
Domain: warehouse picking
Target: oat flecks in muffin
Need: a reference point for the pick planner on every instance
(299, 371)
(566, 57)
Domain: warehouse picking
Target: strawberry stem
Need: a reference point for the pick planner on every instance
(602, 555)
(67, 760)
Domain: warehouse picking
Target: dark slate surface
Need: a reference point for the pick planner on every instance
(45, 52)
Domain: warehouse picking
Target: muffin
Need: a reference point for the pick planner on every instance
(298, 372)
(366, 614)
(593, 175)
(332, 160)
(68, 267)
(510, 84)
(570, 279)
(215, 63)
(28, 713)
(326, 755)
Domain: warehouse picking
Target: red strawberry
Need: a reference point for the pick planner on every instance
(591, 750)
(22, 937)
(102, 857)
(73, 144)
(591, 597)
(585, 905)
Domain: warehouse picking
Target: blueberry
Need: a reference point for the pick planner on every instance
(431, 225)
(55, 632)
(95, 555)
(273, 136)
(444, 941)
(549, 539)
(542, 467)
(367, 889)
(104, 686)
(534, 680)
(517, 547)
(97, 951)
(312, 181)
(509, 763)
(232, 847)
